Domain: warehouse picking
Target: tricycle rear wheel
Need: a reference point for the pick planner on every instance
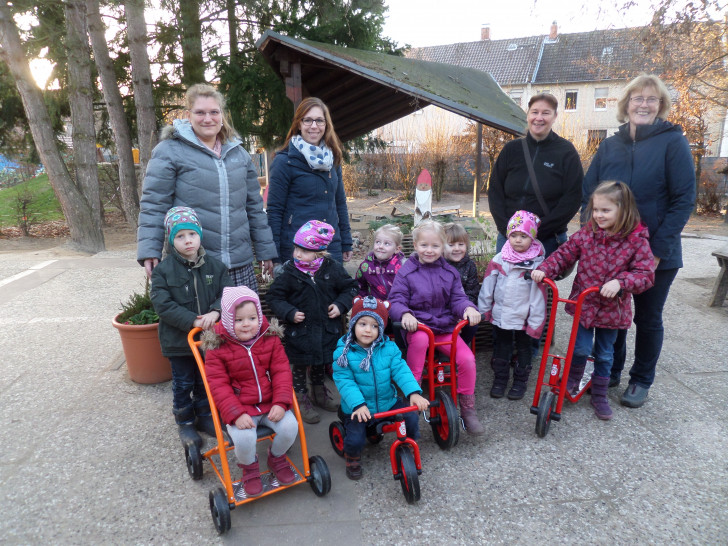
(336, 437)
(445, 422)
(543, 417)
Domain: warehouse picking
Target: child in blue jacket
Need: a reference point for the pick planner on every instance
(367, 363)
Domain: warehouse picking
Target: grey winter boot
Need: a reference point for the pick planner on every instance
(520, 382)
(323, 399)
(599, 401)
(576, 372)
(470, 417)
(501, 374)
(308, 414)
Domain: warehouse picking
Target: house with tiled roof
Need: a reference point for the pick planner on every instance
(586, 71)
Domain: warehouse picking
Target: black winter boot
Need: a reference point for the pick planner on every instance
(501, 374)
(520, 382)
(185, 419)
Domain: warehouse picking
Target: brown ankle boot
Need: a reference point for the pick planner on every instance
(251, 478)
(353, 466)
(470, 417)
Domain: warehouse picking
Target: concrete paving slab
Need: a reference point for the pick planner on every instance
(94, 458)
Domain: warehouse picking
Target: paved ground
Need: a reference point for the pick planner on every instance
(92, 457)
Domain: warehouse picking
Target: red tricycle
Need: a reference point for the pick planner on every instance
(547, 406)
(443, 373)
(231, 495)
(404, 453)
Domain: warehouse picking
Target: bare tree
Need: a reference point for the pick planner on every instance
(117, 117)
(80, 98)
(141, 80)
(86, 234)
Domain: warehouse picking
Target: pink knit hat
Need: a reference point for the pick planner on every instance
(524, 222)
(232, 297)
(314, 235)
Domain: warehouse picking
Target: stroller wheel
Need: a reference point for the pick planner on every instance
(220, 510)
(194, 461)
(543, 417)
(320, 478)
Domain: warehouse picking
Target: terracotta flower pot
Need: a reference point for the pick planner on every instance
(143, 353)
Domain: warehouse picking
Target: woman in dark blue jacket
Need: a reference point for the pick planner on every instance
(306, 183)
(653, 158)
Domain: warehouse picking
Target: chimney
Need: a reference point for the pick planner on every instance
(485, 31)
(554, 31)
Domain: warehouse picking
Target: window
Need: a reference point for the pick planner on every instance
(571, 95)
(600, 98)
(595, 137)
(516, 95)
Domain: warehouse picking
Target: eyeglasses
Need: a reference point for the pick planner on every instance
(639, 99)
(202, 114)
(307, 122)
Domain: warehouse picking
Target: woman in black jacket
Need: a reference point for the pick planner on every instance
(651, 156)
(558, 171)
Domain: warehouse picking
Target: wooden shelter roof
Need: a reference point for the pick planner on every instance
(365, 89)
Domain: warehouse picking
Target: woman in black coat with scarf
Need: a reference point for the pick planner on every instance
(306, 182)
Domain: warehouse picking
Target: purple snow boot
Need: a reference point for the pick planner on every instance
(599, 401)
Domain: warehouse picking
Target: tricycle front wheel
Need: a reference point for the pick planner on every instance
(408, 478)
(220, 510)
(543, 417)
(320, 478)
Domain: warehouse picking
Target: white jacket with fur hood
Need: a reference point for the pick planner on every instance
(511, 302)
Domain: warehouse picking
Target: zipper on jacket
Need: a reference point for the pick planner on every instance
(255, 373)
(290, 219)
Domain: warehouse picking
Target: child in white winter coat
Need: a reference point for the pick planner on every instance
(515, 306)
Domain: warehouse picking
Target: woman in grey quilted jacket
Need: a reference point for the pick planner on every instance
(202, 164)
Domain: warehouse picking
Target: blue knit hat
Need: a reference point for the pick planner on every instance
(368, 306)
(178, 218)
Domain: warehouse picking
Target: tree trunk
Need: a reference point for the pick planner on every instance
(141, 81)
(193, 65)
(232, 22)
(117, 117)
(80, 98)
(85, 233)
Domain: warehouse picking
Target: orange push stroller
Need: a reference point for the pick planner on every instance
(231, 494)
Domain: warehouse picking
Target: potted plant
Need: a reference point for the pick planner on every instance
(137, 325)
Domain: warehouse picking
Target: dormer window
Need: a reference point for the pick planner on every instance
(512, 47)
(607, 51)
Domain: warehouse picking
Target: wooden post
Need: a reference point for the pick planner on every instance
(478, 174)
(291, 72)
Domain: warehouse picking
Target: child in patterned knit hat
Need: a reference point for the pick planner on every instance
(309, 294)
(186, 289)
(515, 306)
(613, 251)
(366, 363)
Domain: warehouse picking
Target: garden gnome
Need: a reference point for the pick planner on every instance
(423, 197)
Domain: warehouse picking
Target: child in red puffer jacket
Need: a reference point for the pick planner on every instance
(250, 381)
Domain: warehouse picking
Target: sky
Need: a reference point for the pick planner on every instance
(438, 22)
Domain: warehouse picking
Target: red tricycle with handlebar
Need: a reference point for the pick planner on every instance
(404, 453)
(440, 372)
(547, 406)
